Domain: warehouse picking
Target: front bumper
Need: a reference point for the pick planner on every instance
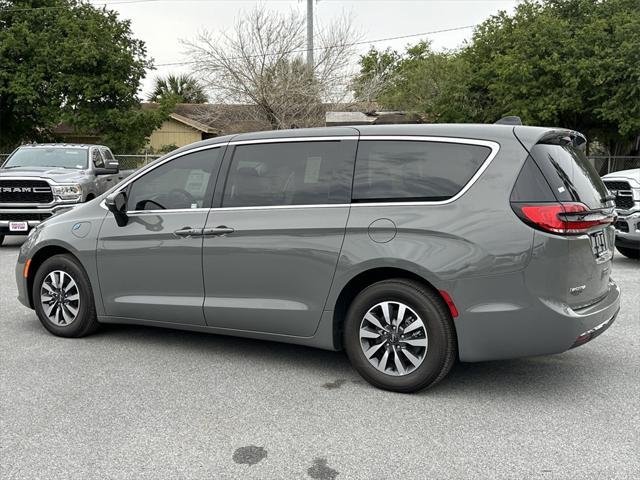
(33, 216)
(628, 230)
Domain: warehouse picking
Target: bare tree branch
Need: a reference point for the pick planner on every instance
(260, 63)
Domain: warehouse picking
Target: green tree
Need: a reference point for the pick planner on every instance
(68, 61)
(570, 63)
(566, 63)
(420, 80)
(183, 88)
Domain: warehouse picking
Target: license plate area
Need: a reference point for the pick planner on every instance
(18, 226)
(599, 244)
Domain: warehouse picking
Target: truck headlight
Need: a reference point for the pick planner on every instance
(67, 192)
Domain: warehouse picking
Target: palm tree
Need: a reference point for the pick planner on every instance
(184, 88)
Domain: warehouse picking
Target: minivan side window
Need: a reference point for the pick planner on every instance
(405, 170)
(182, 183)
(290, 173)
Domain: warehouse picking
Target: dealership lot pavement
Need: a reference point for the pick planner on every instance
(134, 402)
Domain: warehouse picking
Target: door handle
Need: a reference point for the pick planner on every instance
(188, 232)
(218, 231)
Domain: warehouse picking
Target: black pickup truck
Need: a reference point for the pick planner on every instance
(38, 180)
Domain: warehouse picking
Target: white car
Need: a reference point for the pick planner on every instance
(625, 186)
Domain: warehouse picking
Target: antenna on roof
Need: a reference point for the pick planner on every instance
(510, 120)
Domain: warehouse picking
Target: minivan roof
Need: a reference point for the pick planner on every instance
(528, 135)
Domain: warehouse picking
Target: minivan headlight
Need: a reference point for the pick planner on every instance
(67, 192)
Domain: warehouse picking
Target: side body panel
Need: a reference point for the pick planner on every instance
(458, 247)
(148, 272)
(273, 273)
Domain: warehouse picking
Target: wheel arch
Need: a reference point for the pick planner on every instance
(39, 258)
(361, 281)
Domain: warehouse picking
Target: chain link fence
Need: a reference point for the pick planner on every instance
(606, 164)
(133, 162)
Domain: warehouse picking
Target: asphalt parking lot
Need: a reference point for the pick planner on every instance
(137, 402)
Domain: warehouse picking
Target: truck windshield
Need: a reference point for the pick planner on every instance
(74, 158)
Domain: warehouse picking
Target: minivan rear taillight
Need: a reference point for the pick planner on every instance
(562, 218)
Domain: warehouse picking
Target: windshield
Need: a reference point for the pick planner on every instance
(73, 158)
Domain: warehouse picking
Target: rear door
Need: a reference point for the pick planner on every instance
(271, 248)
(573, 179)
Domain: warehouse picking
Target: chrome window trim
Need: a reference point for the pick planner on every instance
(294, 140)
(137, 213)
(494, 146)
(144, 171)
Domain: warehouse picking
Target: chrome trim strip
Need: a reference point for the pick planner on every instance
(494, 146)
(137, 213)
(599, 326)
(27, 210)
(284, 207)
(294, 140)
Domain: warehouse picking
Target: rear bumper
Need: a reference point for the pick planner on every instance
(531, 326)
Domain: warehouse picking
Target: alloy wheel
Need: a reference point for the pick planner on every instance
(393, 338)
(60, 298)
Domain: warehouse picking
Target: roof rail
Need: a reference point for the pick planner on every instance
(510, 120)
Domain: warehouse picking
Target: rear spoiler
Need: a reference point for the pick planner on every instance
(530, 136)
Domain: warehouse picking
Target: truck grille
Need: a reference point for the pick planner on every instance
(23, 217)
(623, 193)
(25, 191)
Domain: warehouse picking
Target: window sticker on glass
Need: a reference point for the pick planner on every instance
(312, 170)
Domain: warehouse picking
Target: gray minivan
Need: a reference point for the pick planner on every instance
(410, 246)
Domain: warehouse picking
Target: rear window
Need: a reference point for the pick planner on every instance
(403, 170)
(570, 174)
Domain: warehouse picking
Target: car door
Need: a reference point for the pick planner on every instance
(272, 245)
(102, 182)
(151, 268)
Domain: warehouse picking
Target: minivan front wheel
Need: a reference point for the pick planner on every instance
(63, 299)
(399, 336)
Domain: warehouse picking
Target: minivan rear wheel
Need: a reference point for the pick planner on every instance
(63, 299)
(399, 336)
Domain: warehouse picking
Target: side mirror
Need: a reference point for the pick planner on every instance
(111, 167)
(116, 203)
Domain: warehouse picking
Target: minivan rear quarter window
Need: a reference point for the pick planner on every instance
(570, 174)
(290, 173)
(406, 170)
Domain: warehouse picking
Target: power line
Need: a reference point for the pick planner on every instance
(353, 44)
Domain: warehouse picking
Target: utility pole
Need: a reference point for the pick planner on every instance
(310, 33)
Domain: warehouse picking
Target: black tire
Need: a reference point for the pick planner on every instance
(85, 321)
(441, 352)
(1, 239)
(630, 252)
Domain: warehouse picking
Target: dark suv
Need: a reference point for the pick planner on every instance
(409, 246)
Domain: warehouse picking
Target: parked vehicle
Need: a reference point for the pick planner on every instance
(38, 180)
(410, 246)
(625, 186)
